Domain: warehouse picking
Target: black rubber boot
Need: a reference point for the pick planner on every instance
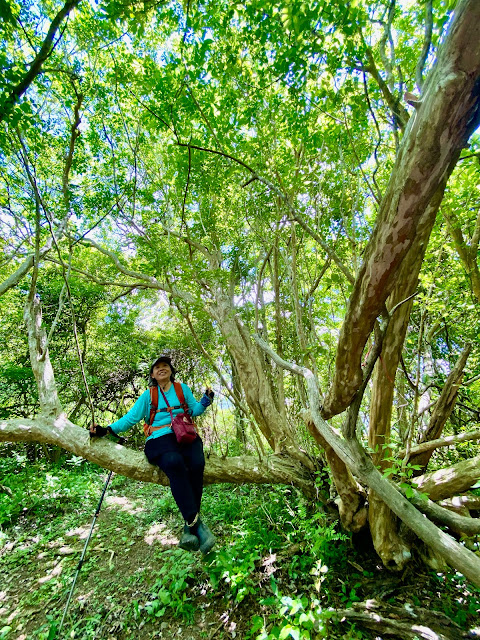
(188, 541)
(206, 537)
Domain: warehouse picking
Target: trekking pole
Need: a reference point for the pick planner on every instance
(82, 557)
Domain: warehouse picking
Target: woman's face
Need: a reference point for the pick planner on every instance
(161, 373)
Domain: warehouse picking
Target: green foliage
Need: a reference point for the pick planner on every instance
(38, 490)
(170, 593)
(278, 569)
(297, 618)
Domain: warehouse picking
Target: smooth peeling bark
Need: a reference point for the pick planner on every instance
(352, 496)
(354, 456)
(390, 546)
(450, 481)
(392, 346)
(258, 393)
(449, 112)
(393, 549)
(60, 431)
(40, 360)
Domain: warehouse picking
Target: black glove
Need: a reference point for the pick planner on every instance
(209, 393)
(98, 431)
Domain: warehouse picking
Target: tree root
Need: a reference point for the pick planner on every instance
(401, 622)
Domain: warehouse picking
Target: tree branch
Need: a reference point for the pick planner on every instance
(448, 441)
(426, 43)
(449, 481)
(436, 513)
(359, 463)
(11, 96)
(280, 469)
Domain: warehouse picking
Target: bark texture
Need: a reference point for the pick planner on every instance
(383, 523)
(41, 365)
(353, 455)
(351, 495)
(249, 362)
(60, 431)
(449, 112)
(443, 408)
(450, 481)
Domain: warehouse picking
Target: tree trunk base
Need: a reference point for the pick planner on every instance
(392, 549)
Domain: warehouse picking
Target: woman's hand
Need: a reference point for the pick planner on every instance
(207, 398)
(97, 430)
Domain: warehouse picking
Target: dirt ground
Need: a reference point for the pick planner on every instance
(125, 559)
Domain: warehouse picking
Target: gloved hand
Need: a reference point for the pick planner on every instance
(97, 430)
(207, 398)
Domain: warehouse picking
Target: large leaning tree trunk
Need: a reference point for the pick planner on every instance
(436, 133)
(388, 543)
(449, 111)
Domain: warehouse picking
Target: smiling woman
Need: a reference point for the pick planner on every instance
(183, 463)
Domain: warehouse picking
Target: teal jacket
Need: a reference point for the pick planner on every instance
(141, 411)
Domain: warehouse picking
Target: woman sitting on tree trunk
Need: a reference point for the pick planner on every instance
(182, 463)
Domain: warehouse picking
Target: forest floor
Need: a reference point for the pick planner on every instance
(278, 570)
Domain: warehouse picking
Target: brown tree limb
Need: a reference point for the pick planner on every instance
(445, 516)
(352, 497)
(443, 408)
(427, 41)
(449, 113)
(11, 96)
(74, 133)
(400, 113)
(470, 502)
(362, 466)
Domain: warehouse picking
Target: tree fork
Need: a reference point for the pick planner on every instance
(353, 455)
(449, 112)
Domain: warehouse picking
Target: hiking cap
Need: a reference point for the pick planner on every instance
(167, 360)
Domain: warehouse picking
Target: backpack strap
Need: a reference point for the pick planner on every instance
(148, 429)
(153, 404)
(180, 395)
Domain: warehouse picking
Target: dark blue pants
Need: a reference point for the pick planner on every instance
(183, 464)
